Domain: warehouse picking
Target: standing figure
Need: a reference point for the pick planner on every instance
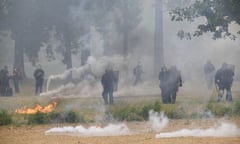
(4, 81)
(174, 81)
(108, 82)
(137, 71)
(16, 78)
(39, 78)
(163, 74)
(224, 80)
(209, 71)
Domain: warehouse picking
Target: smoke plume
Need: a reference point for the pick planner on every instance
(157, 121)
(222, 130)
(109, 130)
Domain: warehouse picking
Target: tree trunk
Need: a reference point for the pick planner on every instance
(125, 43)
(68, 54)
(158, 50)
(68, 59)
(85, 53)
(125, 37)
(19, 56)
(125, 31)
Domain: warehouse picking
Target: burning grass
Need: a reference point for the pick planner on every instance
(38, 108)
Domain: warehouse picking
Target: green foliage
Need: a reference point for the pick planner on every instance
(219, 14)
(135, 114)
(38, 118)
(43, 118)
(56, 117)
(145, 110)
(237, 108)
(125, 113)
(5, 118)
(71, 117)
(174, 111)
(157, 106)
(219, 109)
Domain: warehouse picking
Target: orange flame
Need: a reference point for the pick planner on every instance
(38, 108)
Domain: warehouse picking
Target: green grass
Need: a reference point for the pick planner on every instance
(5, 118)
(125, 108)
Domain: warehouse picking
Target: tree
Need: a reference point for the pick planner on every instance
(3, 8)
(127, 17)
(219, 14)
(17, 19)
(159, 33)
(101, 16)
(158, 41)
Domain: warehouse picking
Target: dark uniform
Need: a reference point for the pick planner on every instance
(209, 71)
(39, 78)
(5, 81)
(170, 80)
(16, 78)
(163, 75)
(174, 80)
(137, 71)
(223, 80)
(108, 82)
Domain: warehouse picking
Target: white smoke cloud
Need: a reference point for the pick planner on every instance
(157, 121)
(90, 75)
(109, 130)
(223, 130)
(57, 90)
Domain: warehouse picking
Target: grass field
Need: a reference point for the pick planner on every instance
(190, 103)
(191, 106)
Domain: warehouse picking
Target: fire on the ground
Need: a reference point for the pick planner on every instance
(38, 108)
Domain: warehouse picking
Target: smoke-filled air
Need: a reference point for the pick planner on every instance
(134, 71)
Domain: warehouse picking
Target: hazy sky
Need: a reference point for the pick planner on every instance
(188, 55)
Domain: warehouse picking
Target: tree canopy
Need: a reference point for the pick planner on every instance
(219, 14)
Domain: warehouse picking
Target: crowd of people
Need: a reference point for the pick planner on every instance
(16, 77)
(5, 77)
(170, 81)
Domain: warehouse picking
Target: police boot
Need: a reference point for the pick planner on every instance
(220, 95)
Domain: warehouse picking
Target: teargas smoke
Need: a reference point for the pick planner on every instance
(222, 130)
(97, 130)
(80, 71)
(57, 90)
(90, 78)
(157, 121)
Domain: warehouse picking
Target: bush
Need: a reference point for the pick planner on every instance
(72, 117)
(237, 108)
(5, 118)
(56, 117)
(157, 106)
(135, 114)
(121, 114)
(174, 111)
(38, 118)
(43, 118)
(145, 110)
(177, 113)
(219, 109)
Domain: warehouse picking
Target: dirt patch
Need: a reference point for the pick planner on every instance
(36, 134)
